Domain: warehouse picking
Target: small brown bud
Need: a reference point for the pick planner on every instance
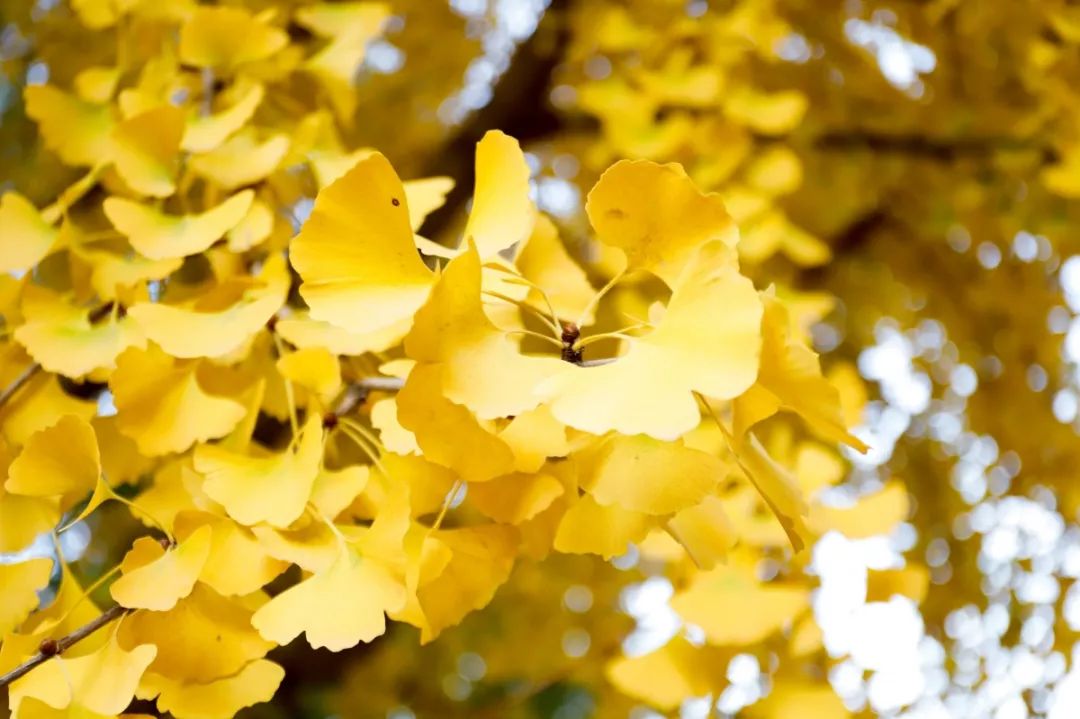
(49, 647)
(329, 421)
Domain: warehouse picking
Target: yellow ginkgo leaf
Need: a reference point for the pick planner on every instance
(26, 237)
(79, 132)
(704, 531)
(588, 527)
(220, 320)
(256, 227)
(448, 433)
(714, 597)
(273, 489)
(335, 490)
(515, 498)
(221, 699)
(544, 261)
(22, 519)
(776, 487)
(241, 160)
(502, 212)
(790, 378)
(114, 275)
(769, 113)
(237, 564)
(479, 563)
(103, 681)
(145, 150)
(708, 341)
(60, 461)
(99, 14)
(357, 250)
(534, 436)
(162, 237)
(203, 638)
(397, 439)
(642, 474)
(163, 407)
(167, 578)
(480, 367)
(794, 697)
(315, 369)
(206, 132)
(19, 584)
(657, 216)
(224, 38)
(97, 84)
(304, 332)
(873, 515)
(350, 27)
(425, 196)
(336, 608)
(62, 338)
(668, 675)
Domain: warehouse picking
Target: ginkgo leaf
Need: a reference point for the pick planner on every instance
(588, 527)
(218, 321)
(425, 196)
(480, 562)
(448, 433)
(314, 369)
(642, 474)
(872, 515)
(704, 531)
(335, 490)
(97, 84)
(533, 437)
(776, 487)
(665, 677)
(304, 332)
(161, 577)
(26, 237)
(163, 407)
(336, 608)
(103, 681)
(224, 38)
(61, 461)
(242, 160)
(544, 261)
(221, 699)
(480, 367)
(145, 150)
(237, 563)
(114, 275)
(203, 638)
(19, 586)
(356, 250)
(207, 132)
(273, 489)
(714, 597)
(256, 227)
(79, 132)
(770, 113)
(22, 519)
(708, 341)
(502, 212)
(61, 337)
(790, 378)
(515, 498)
(657, 216)
(160, 237)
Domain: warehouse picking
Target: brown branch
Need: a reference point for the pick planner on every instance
(54, 647)
(937, 148)
(19, 383)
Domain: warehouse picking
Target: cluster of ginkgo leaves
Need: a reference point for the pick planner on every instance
(388, 441)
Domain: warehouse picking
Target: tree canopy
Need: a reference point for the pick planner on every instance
(539, 358)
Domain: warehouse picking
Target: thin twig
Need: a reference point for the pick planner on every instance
(20, 381)
(63, 643)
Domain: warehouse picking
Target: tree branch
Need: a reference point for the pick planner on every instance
(54, 647)
(937, 148)
(20, 381)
